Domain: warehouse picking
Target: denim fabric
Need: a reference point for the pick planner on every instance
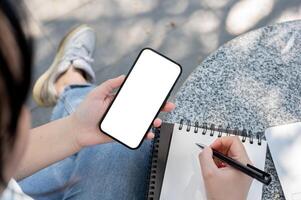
(107, 171)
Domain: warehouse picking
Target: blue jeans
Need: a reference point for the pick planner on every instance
(107, 171)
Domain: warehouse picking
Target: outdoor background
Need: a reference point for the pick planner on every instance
(185, 31)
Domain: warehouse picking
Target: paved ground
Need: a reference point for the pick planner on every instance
(186, 31)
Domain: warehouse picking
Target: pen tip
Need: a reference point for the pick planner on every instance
(199, 145)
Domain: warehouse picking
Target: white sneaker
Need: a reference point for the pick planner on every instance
(76, 48)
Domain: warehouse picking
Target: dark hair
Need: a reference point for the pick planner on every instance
(15, 81)
(15, 74)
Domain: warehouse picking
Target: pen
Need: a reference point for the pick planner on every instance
(248, 169)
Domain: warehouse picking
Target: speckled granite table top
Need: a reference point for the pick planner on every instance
(252, 82)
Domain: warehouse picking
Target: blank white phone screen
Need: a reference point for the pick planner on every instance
(140, 98)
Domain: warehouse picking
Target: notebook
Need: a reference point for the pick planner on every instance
(175, 169)
(285, 147)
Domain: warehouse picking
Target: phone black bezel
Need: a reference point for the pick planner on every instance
(165, 100)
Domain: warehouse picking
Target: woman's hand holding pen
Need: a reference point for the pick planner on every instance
(222, 181)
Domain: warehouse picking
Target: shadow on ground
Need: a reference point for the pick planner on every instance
(185, 31)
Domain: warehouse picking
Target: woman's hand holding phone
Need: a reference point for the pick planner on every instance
(84, 121)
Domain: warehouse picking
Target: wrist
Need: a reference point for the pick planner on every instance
(73, 132)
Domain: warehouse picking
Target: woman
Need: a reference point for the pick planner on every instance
(48, 158)
(23, 153)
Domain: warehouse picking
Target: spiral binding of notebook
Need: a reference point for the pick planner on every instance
(202, 129)
(153, 164)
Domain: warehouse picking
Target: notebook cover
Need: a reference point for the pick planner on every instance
(159, 159)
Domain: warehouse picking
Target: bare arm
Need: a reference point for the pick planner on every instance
(48, 144)
(59, 139)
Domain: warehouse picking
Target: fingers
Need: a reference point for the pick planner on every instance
(157, 122)
(222, 145)
(108, 86)
(110, 97)
(169, 106)
(206, 161)
(231, 146)
(150, 135)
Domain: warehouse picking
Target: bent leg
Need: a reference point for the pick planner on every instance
(111, 171)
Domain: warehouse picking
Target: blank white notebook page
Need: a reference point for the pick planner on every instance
(183, 178)
(285, 146)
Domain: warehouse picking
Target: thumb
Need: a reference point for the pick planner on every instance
(108, 86)
(207, 163)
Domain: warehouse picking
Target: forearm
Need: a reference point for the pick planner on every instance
(48, 144)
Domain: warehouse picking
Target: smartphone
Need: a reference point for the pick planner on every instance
(140, 98)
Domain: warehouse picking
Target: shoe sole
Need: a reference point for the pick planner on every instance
(41, 80)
